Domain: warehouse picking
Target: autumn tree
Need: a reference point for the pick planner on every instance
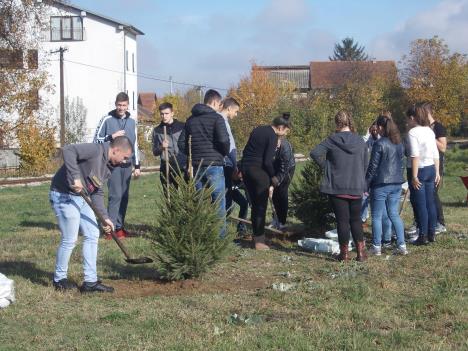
(259, 98)
(348, 50)
(23, 120)
(20, 77)
(431, 73)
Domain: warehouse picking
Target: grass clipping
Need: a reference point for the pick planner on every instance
(187, 242)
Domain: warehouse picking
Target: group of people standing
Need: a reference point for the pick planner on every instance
(350, 176)
(265, 170)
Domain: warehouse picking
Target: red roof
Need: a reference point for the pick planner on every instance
(148, 101)
(332, 74)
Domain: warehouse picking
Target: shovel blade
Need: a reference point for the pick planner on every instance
(139, 260)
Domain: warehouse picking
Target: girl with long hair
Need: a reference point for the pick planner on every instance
(423, 172)
(343, 157)
(384, 177)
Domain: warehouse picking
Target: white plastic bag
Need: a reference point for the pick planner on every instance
(320, 245)
(7, 291)
(333, 235)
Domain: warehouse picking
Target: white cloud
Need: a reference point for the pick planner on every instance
(448, 20)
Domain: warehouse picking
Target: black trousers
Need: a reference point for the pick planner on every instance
(438, 203)
(173, 174)
(119, 186)
(348, 217)
(234, 195)
(257, 182)
(280, 198)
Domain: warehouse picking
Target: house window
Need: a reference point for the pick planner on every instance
(66, 28)
(126, 60)
(133, 100)
(133, 63)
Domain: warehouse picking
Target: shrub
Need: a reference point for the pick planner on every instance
(187, 242)
(308, 204)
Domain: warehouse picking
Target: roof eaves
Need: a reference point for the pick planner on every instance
(126, 26)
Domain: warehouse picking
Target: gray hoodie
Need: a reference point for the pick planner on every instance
(84, 161)
(343, 158)
(112, 123)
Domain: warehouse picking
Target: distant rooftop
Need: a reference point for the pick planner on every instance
(327, 74)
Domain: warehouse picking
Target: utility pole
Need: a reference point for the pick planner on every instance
(172, 89)
(62, 97)
(200, 91)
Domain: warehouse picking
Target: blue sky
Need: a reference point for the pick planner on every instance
(213, 43)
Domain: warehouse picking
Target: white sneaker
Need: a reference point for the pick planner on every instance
(412, 230)
(375, 250)
(273, 224)
(400, 250)
(281, 227)
(440, 228)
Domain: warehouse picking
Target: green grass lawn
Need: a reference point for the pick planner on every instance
(418, 302)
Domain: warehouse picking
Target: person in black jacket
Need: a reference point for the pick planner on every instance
(175, 132)
(258, 172)
(284, 166)
(385, 176)
(343, 157)
(209, 145)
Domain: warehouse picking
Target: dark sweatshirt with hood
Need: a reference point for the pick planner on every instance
(209, 135)
(343, 158)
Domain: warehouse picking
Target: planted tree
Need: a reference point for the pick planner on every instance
(187, 241)
(308, 203)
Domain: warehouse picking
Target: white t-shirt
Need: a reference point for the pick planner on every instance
(422, 144)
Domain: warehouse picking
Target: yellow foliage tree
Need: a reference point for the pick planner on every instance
(258, 97)
(37, 146)
(431, 73)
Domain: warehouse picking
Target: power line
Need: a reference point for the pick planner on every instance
(148, 76)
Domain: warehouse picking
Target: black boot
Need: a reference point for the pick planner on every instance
(431, 237)
(64, 285)
(88, 287)
(421, 240)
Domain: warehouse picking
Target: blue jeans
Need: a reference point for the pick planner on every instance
(213, 176)
(74, 214)
(423, 201)
(386, 223)
(386, 199)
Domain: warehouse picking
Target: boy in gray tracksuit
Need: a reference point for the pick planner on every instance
(117, 123)
(85, 166)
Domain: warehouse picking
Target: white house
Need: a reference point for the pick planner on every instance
(100, 59)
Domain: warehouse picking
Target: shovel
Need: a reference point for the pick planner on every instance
(128, 259)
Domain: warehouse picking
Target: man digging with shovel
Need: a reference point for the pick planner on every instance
(91, 164)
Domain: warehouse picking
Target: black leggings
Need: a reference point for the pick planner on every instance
(348, 216)
(280, 198)
(257, 182)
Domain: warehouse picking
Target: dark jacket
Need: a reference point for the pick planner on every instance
(343, 157)
(260, 149)
(210, 139)
(84, 161)
(175, 135)
(284, 163)
(386, 163)
(112, 123)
